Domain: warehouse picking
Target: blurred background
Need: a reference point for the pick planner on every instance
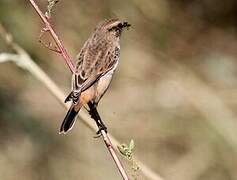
(174, 91)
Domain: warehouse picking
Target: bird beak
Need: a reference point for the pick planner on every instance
(126, 25)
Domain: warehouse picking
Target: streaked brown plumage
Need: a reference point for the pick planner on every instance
(96, 63)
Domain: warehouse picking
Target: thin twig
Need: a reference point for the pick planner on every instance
(58, 42)
(49, 44)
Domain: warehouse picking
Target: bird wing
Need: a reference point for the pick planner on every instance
(93, 62)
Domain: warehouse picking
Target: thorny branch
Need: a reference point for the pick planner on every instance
(49, 28)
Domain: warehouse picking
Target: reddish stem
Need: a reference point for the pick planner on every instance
(114, 156)
(49, 27)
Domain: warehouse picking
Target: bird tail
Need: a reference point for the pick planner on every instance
(69, 119)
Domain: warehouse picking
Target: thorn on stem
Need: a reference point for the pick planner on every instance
(50, 46)
(45, 29)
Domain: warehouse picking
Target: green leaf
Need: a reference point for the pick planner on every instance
(50, 6)
(122, 149)
(131, 145)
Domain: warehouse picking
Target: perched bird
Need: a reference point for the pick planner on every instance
(96, 63)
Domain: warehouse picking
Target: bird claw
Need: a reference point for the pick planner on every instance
(97, 136)
(102, 128)
(68, 98)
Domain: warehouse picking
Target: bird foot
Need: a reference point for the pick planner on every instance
(101, 128)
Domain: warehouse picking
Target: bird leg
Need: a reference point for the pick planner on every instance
(95, 115)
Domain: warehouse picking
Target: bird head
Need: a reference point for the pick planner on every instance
(112, 27)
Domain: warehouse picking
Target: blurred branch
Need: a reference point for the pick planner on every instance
(210, 105)
(23, 60)
(205, 99)
(193, 164)
(8, 57)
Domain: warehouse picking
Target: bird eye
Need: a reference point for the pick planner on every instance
(120, 25)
